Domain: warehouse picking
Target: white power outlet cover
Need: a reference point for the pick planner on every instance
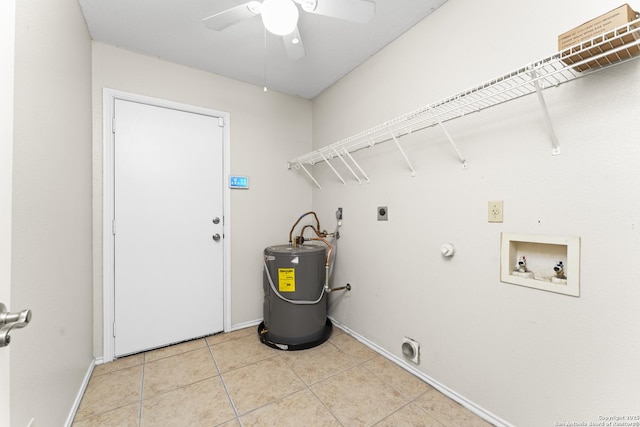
(495, 213)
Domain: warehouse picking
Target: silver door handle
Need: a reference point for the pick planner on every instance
(9, 321)
(216, 237)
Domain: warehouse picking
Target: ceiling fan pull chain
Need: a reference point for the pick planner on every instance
(265, 59)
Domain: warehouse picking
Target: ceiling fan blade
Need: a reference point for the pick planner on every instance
(229, 17)
(350, 10)
(293, 45)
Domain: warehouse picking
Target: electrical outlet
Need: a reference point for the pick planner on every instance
(495, 211)
(383, 213)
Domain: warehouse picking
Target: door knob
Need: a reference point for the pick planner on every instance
(9, 321)
(216, 220)
(216, 237)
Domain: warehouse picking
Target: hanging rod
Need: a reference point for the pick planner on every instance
(613, 48)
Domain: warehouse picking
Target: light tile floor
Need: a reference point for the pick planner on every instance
(234, 380)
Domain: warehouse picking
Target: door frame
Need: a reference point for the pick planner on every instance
(109, 97)
(7, 62)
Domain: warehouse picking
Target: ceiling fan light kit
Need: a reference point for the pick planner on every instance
(280, 17)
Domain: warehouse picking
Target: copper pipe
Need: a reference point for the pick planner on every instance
(300, 219)
(317, 231)
(341, 288)
(328, 245)
(321, 237)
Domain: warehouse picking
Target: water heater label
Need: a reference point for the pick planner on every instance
(287, 279)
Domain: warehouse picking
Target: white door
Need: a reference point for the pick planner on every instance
(168, 178)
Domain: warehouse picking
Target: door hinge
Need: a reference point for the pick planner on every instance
(113, 227)
(113, 125)
(114, 329)
(221, 122)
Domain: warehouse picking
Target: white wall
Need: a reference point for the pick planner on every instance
(266, 130)
(528, 357)
(51, 218)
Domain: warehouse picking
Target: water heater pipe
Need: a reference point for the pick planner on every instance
(300, 219)
(320, 237)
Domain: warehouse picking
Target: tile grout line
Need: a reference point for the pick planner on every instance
(144, 363)
(325, 406)
(259, 407)
(270, 403)
(308, 386)
(429, 413)
(409, 399)
(224, 385)
(358, 363)
(249, 364)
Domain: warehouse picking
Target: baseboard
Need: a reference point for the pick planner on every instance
(83, 387)
(249, 324)
(476, 409)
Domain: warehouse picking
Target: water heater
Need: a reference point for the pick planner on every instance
(295, 298)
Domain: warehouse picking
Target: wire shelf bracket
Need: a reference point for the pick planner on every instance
(358, 166)
(406, 159)
(333, 169)
(300, 165)
(347, 166)
(555, 150)
(615, 47)
(453, 144)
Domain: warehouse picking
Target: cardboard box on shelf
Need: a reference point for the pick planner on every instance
(596, 33)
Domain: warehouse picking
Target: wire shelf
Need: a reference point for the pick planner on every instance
(614, 47)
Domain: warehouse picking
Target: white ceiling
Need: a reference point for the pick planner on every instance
(173, 30)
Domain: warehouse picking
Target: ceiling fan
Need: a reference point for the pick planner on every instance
(280, 17)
